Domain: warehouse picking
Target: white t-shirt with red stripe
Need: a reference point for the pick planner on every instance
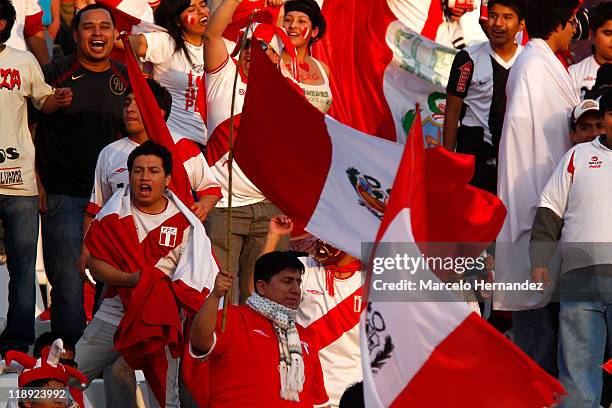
(584, 74)
(335, 320)
(181, 77)
(111, 171)
(28, 21)
(172, 236)
(578, 193)
(219, 86)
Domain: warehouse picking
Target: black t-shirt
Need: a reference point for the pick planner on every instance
(459, 82)
(69, 140)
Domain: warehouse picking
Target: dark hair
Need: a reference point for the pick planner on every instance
(168, 15)
(602, 82)
(543, 16)
(313, 11)
(7, 13)
(353, 396)
(518, 6)
(89, 7)
(599, 14)
(605, 103)
(161, 94)
(42, 341)
(273, 263)
(150, 148)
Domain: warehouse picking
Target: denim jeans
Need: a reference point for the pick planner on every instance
(535, 332)
(95, 352)
(583, 328)
(62, 235)
(20, 217)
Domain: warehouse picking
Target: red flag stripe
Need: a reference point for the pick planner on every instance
(300, 167)
(483, 369)
(342, 318)
(355, 50)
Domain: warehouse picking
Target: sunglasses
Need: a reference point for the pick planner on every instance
(264, 45)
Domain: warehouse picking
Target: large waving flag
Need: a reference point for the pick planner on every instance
(409, 346)
(381, 67)
(336, 180)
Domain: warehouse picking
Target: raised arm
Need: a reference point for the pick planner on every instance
(205, 321)
(215, 51)
(280, 226)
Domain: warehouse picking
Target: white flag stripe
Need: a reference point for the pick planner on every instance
(376, 160)
(430, 323)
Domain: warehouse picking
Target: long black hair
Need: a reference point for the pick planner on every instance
(168, 15)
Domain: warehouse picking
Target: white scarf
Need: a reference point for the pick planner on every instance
(291, 366)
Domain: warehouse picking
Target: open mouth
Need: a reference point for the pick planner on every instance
(145, 189)
(97, 45)
(204, 21)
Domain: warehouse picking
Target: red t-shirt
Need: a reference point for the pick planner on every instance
(244, 364)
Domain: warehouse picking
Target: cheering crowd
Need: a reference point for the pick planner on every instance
(149, 226)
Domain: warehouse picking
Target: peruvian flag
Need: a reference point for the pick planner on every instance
(418, 353)
(382, 67)
(132, 16)
(336, 180)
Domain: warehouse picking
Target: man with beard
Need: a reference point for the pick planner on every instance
(68, 142)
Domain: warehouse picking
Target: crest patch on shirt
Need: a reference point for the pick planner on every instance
(167, 236)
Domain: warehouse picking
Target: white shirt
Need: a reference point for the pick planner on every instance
(111, 309)
(579, 191)
(584, 74)
(219, 85)
(112, 174)
(23, 8)
(341, 359)
(181, 77)
(319, 96)
(20, 78)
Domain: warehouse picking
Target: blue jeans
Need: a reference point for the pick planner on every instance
(583, 327)
(62, 234)
(20, 218)
(535, 332)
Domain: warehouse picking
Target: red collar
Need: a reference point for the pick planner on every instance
(331, 270)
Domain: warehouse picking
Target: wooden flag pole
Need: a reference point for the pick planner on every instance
(230, 162)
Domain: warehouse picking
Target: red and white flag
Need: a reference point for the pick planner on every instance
(382, 67)
(418, 353)
(334, 179)
(132, 16)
